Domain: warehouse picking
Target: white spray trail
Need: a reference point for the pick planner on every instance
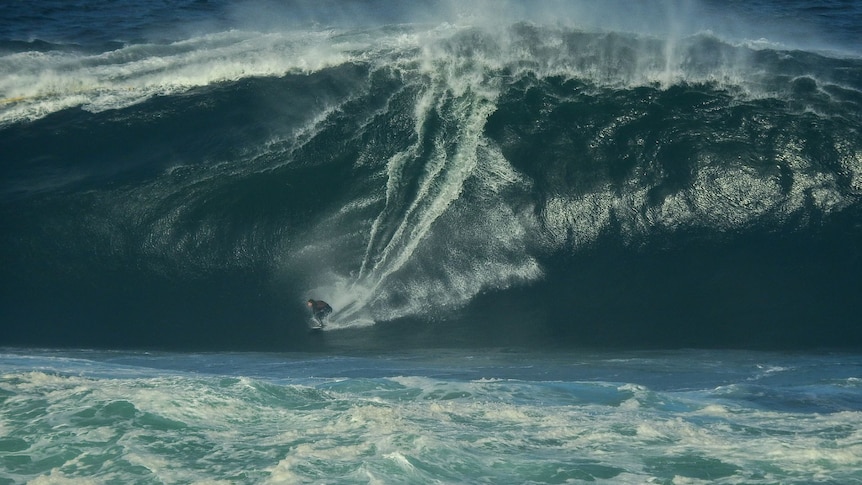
(442, 183)
(443, 230)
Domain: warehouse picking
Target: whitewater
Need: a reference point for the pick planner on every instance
(501, 416)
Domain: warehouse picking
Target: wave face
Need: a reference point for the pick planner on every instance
(452, 180)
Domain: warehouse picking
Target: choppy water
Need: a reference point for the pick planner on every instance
(430, 417)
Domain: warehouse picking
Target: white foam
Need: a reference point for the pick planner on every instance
(492, 426)
(33, 85)
(56, 477)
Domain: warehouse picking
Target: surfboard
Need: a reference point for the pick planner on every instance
(314, 325)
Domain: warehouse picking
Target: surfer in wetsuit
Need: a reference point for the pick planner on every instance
(320, 309)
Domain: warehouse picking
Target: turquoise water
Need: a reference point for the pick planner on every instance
(432, 417)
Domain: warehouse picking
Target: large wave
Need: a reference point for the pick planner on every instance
(404, 170)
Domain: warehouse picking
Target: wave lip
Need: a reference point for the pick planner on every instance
(47, 77)
(36, 84)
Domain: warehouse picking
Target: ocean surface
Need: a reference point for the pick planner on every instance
(564, 241)
(493, 417)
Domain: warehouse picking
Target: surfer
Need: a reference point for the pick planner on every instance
(320, 309)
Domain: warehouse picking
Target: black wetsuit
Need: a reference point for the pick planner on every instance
(320, 309)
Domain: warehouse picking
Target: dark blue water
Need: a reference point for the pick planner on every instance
(185, 175)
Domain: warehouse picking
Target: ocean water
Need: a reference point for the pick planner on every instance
(564, 241)
(490, 416)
